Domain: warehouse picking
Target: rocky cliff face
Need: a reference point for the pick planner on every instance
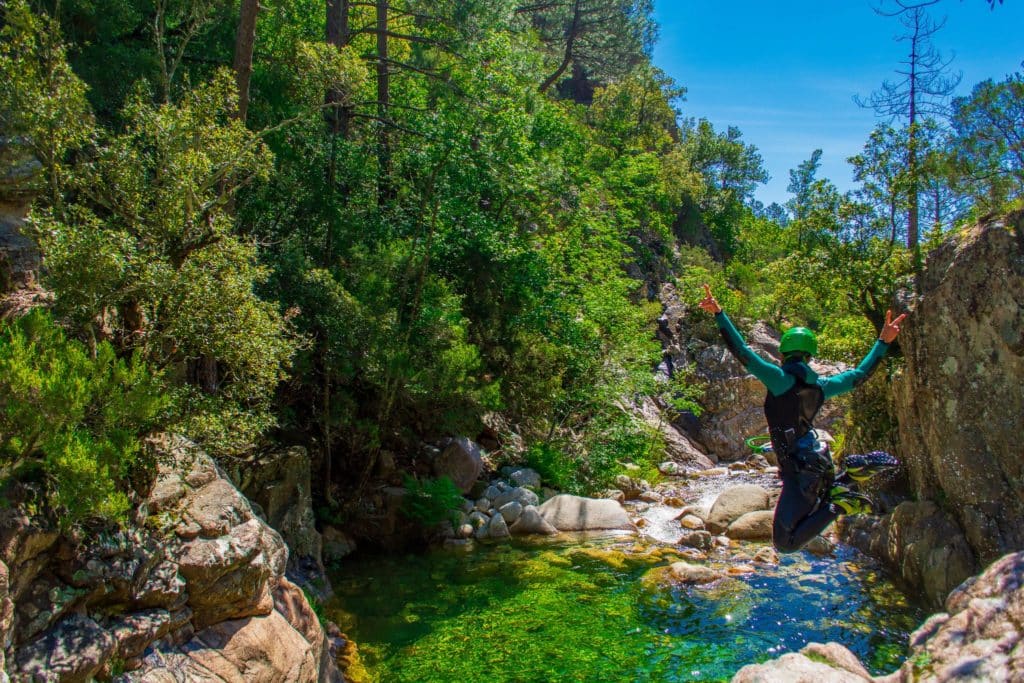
(959, 404)
(195, 592)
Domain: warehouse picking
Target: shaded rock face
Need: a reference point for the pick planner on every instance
(279, 483)
(202, 566)
(461, 462)
(918, 542)
(959, 400)
(19, 257)
(733, 503)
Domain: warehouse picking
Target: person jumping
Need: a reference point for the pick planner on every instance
(812, 495)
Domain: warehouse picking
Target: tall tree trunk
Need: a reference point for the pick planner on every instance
(338, 34)
(245, 41)
(912, 219)
(384, 189)
(570, 43)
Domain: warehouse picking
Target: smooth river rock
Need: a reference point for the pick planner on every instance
(575, 513)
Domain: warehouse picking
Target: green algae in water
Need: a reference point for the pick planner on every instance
(544, 613)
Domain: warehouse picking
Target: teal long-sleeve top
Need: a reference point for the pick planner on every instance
(779, 382)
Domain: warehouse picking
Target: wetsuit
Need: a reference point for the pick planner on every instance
(795, 395)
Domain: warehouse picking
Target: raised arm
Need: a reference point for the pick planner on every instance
(771, 375)
(851, 379)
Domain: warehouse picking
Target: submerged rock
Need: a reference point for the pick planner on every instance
(980, 637)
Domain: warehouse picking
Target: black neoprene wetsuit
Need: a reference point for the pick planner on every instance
(795, 395)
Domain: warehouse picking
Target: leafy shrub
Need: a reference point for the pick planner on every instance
(590, 465)
(430, 501)
(554, 465)
(72, 420)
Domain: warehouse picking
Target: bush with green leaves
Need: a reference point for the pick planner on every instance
(71, 422)
(430, 501)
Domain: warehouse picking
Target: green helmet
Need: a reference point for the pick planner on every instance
(799, 339)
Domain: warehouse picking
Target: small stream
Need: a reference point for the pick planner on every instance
(576, 608)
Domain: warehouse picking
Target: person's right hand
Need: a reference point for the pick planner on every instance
(708, 303)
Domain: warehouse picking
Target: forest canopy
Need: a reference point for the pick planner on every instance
(363, 226)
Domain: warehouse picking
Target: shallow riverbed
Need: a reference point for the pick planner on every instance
(579, 609)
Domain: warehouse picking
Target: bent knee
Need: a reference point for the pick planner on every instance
(782, 539)
(786, 545)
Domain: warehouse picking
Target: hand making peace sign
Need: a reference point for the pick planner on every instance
(891, 327)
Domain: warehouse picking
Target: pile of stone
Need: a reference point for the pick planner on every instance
(504, 508)
(511, 506)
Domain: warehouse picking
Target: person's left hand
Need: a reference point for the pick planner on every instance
(708, 303)
(891, 327)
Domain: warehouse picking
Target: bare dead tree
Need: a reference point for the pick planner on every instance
(922, 89)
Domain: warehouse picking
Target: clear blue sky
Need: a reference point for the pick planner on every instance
(785, 72)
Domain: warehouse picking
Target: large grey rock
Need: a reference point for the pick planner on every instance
(73, 651)
(531, 522)
(231, 576)
(461, 462)
(520, 495)
(752, 526)
(337, 545)
(497, 527)
(958, 401)
(816, 663)
(733, 503)
(524, 476)
(575, 513)
(511, 511)
(259, 650)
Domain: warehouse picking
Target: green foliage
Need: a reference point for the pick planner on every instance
(554, 465)
(147, 255)
(588, 465)
(73, 420)
(730, 170)
(987, 148)
(430, 501)
(316, 606)
(42, 102)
